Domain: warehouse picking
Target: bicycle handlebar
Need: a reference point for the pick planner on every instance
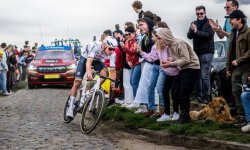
(101, 76)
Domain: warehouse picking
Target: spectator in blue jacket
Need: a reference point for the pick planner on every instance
(245, 99)
(3, 69)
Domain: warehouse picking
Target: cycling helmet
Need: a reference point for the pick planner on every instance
(110, 41)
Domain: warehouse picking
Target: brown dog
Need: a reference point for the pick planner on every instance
(217, 111)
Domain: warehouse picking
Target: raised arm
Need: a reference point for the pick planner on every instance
(152, 56)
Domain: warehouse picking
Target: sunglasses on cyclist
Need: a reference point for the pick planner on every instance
(111, 49)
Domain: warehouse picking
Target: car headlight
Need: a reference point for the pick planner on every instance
(32, 67)
(72, 66)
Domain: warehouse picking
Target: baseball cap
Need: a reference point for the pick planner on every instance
(236, 14)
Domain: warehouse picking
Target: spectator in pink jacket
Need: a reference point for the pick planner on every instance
(160, 52)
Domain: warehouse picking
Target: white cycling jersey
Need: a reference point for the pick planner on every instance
(94, 51)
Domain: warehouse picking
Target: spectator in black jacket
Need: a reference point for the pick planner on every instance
(203, 43)
(137, 5)
(146, 27)
(10, 62)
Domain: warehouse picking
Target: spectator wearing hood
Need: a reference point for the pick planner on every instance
(158, 76)
(146, 27)
(186, 59)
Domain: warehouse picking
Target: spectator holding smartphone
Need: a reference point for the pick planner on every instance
(185, 58)
(132, 58)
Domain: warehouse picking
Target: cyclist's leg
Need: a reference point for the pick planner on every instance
(80, 71)
(104, 72)
(100, 66)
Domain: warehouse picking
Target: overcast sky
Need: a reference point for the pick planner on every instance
(82, 19)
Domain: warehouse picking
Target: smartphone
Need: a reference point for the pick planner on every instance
(136, 40)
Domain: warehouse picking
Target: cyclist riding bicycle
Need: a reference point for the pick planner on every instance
(93, 56)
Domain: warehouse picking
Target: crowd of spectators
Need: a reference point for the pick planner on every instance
(14, 64)
(158, 68)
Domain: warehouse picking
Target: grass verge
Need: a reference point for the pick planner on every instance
(207, 129)
(19, 85)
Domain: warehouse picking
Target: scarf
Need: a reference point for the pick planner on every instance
(200, 23)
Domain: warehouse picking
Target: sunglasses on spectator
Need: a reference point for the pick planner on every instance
(127, 34)
(199, 14)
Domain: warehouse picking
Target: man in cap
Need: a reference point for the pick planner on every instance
(238, 58)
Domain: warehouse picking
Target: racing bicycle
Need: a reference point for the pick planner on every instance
(91, 102)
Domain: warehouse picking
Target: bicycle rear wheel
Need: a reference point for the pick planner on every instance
(92, 112)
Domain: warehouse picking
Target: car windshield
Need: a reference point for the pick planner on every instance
(65, 55)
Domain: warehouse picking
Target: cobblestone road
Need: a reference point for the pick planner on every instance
(32, 119)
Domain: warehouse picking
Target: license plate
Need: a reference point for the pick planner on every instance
(52, 76)
(51, 61)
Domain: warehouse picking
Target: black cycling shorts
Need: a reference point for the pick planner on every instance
(81, 67)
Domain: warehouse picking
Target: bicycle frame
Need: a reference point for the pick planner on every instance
(93, 89)
(94, 102)
(96, 87)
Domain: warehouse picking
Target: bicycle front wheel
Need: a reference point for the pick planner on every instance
(92, 112)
